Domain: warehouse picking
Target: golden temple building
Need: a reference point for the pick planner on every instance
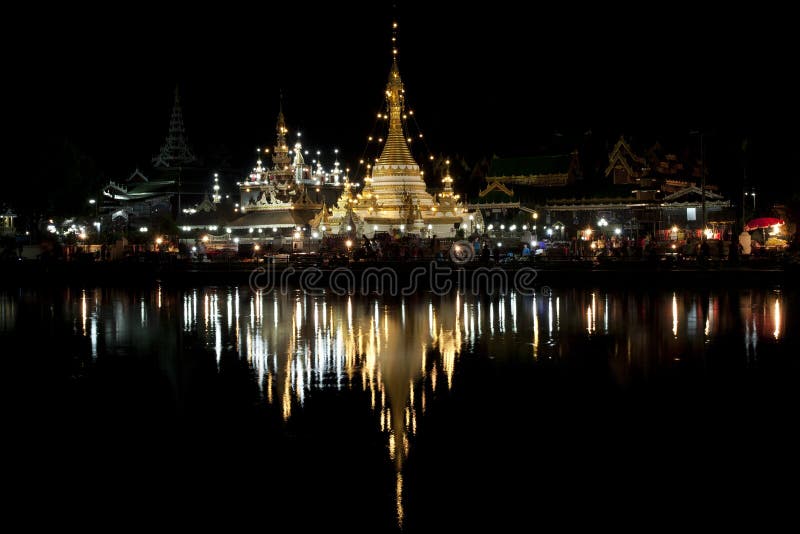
(394, 196)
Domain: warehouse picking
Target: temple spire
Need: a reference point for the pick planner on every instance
(280, 153)
(175, 151)
(395, 151)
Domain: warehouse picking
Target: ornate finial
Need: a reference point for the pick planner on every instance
(394, 42)
(395, 151)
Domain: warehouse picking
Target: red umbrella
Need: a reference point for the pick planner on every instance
(762, 222)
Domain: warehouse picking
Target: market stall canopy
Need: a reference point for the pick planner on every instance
(762, 222)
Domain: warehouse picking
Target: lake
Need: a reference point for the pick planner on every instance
(221, 406)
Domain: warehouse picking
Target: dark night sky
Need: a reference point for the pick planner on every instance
(489, 79)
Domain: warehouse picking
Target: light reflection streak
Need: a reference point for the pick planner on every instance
(93, 331)
(217, 327)
(674, 315)
(84, 311)
(230, 310)
(514, 312)
(8, 313)
(535, 313)
(776, 317)
(589, 319)
(501, 314)
(558, 313)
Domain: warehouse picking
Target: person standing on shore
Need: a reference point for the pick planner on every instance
(745, 241)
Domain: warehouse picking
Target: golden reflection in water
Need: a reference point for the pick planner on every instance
(674, 315)
(367, 345)
(84, 311)
(399, 498)
(400, 351)
(91, 318)
(404, 353)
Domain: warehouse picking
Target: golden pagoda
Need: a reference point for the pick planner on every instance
(394, 196)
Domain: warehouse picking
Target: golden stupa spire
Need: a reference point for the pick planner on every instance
(395, 151)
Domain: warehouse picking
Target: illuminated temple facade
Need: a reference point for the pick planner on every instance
(293, 199)
(288, 194)
(394, 196)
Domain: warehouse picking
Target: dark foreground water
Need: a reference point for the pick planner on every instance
(216, 407)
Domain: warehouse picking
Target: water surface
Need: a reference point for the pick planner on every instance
(379, 414)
